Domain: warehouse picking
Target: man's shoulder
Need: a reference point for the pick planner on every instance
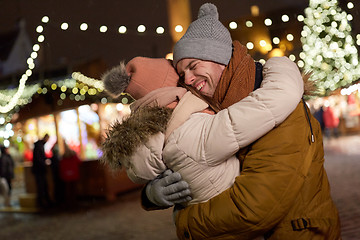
(280, 61)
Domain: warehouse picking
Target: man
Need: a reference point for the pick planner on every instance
(283, 190)
(39, 171)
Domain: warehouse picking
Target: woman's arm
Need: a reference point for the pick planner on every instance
(218, 137)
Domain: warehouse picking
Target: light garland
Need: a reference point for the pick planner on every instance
(7, 95)
(88, 81)
(11, 102)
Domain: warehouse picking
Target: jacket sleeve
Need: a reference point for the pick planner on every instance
(223, 134)
(273, 173)
(146, 161)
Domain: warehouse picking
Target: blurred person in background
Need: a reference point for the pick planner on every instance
(331, 122)
(70, 174)
(6, 173)
(59, 185)
(40, 171)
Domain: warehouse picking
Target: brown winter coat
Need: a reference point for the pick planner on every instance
(282, 192)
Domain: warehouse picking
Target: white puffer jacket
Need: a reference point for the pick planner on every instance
(202, 149)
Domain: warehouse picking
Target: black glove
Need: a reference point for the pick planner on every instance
(168, 189)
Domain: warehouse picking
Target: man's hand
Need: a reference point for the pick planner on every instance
(168, 189)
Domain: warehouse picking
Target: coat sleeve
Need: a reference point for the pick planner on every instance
(223, 134)
(146, 161)
(273, 174)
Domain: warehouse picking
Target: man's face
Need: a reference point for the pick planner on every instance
(202, 75)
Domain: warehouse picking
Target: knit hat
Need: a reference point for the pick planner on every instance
(205, 39)
(140, 76)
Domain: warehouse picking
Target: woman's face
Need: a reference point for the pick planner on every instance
(200, 74)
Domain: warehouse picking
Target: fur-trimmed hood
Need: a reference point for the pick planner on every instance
(122, 138)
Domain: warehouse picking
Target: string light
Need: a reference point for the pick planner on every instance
(64, 26)
(141, 28)
(45, 19)
(160, 30)
(290, 37)
(13, 99)
(233, 25)
(88, 81)
(276, 40)
(268, 22)
(41, 38)
(39, 29)
(122, 29)
(103, 29)
(83, 27)
(250, 45)
(249, 24)
(179, 28)
(285, 18)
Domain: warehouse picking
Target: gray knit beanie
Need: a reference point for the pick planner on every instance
(205, 39)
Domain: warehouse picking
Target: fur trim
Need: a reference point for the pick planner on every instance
(122, 139)
(116, 80)
(310, 86)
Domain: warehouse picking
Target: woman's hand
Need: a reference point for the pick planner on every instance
(168, 189)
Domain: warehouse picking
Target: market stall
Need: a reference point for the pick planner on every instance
(81, 128)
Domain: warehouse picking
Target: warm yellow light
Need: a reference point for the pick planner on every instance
(41, 38)
(276, 52)
(31, 66)
(276, 40)
(45, 19)
(160, 30)
(103, 29)
(233, 25)
(250, 45)
(119, 107)
(83, 27)
(249, 24)
(268, 22)
(141, 28)
(122, 29)
(285, 18)
(30, 60)
(292, 57)
(300, 63)
(33, 55)
(254, 10)
(178, 28)
(39, 29)
(64, 26)
(169, 56)
(290, 37)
